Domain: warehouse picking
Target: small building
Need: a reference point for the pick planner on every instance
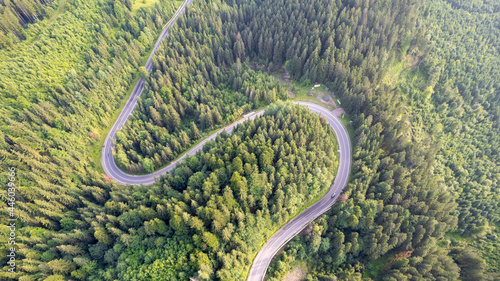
(311, 93)
(317, 85)
(326, 97)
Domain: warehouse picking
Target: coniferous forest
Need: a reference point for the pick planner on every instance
(418, 79)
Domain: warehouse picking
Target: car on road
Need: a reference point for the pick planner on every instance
(333, 195)
(107, 155)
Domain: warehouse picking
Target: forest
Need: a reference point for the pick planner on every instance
(451, 99)
(15, 15)
(417, 78)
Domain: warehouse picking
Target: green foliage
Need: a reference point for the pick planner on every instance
(197, 83)
(57, 88)
(168, 260)
(66, 53)
(432, 137)
(464, 111)
(229, 223)
(425, 156)
(14, 15)
(201, 219)
(143, 72)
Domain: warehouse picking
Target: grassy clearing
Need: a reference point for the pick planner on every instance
(392, 76)
(302, 91)
(336, 101)
(402, 72)
(346, 120)
(456, 236)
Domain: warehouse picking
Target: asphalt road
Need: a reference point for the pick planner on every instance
(106, 156)
(286, 233)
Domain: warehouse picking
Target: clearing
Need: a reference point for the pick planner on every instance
(299, 273)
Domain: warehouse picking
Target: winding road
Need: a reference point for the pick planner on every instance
(286, 233)
(107, 162)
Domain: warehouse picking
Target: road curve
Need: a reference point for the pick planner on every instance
(107, 164)
(286, 233)
(123, 178)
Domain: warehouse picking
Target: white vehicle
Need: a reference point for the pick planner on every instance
(333, 195)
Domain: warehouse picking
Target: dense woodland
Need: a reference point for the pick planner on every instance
(47, 128)
(464, 111)
(448, 139)
(74, 59)
(15, 15)
(199, 83)
(416, 77)
(58, 89)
